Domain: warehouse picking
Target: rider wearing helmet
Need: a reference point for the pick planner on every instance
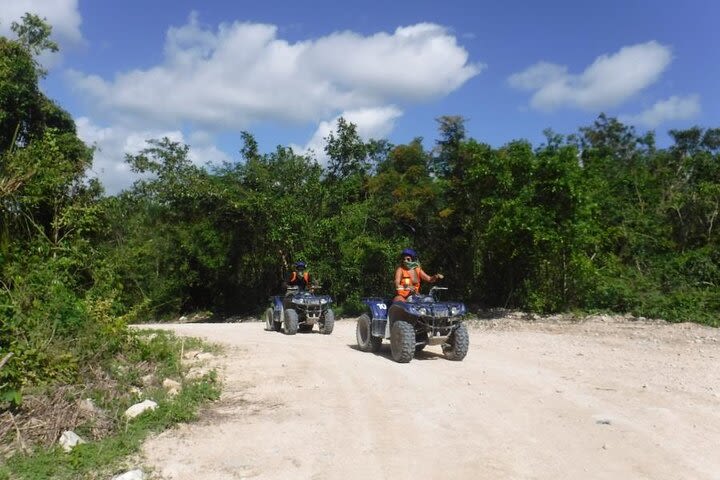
(299, 277)
(409, 274)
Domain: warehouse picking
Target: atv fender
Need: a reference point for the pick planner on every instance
(378, 313)
(278, 303)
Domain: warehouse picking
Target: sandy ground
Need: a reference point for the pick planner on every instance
(603, 398)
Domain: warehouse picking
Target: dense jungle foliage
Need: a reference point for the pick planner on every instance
(601, 219)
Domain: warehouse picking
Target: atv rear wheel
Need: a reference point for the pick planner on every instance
(291, 321)
(328, 322)
(277, 321)
(402, 341)
(269, 320)
(458, 344)
(365, 340)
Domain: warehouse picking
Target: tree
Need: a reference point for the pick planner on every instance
(20, 97)
(452, 134)
(42, 161)
(346, 151)
(25, 112)
(249, 150)
(50, 221)
(402, 190)
(34, 34)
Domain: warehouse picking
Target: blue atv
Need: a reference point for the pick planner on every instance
(299, 311)
(412, 325)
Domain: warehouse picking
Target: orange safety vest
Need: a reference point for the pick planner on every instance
(294, 276)
(407, 281)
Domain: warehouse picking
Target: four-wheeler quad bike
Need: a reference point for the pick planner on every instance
(300, 310)
(411, 325)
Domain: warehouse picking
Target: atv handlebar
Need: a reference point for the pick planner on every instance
(435, 289)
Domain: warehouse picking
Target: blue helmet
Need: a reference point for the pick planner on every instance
(300, 265)
(409, 252)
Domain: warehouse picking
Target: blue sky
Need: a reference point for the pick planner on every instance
(201, 72)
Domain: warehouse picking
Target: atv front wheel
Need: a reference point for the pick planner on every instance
(291, 321)
(365, 340)
(328, 322)
(458, 344)
(402, 341)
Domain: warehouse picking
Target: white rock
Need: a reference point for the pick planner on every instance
(197, 372)
(87, 405)
(139, 408)
(70, 439)
(169, 384)
(204, 356)
(136, 474)
(172, 387)
(148, 379)
(190, 354)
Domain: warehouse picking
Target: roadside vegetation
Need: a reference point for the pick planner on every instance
(92, 403)
(598, 220)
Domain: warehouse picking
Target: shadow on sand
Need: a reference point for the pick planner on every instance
(385, 353)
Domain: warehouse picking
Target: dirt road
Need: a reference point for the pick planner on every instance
(533, 400)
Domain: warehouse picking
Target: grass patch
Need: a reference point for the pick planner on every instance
(158, 352)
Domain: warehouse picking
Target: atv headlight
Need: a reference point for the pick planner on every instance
(323, 301)
(454, 311)
(422, 311)
(299, 300)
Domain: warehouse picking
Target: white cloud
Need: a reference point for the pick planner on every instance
(114, 142)
(673, 108)
(607, 82)
(63, 15)
(371, 123)
(539, 75)
(214, 80)
(242, 73)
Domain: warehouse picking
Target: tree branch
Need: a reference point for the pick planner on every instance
(5, 359)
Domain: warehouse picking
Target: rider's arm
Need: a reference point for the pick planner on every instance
(427, 278)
